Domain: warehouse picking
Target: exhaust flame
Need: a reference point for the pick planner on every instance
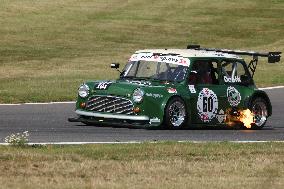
(234, 116)
(247, 118)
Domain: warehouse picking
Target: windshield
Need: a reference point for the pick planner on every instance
(154, 70)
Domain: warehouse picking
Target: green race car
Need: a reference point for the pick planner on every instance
(176, 88)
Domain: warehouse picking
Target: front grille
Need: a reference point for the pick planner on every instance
(110, 104)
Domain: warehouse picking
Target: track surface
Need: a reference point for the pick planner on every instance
(48, 123)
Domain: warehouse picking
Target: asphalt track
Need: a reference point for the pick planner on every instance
(48, 123)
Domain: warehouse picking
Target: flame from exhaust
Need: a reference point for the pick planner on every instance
(247, 117)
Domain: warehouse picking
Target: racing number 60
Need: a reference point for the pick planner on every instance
(207, 104)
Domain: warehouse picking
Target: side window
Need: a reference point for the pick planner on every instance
(235, 72)
(204, 72)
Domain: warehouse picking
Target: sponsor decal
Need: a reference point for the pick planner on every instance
(154, 95)
(172, 90)
(221, 116)
(235, 79)
(207, 105)
(103, 85)
(155, 120)
(233, 95)
(219, 54)
(147, 83)
(191, 88)
(161, 58)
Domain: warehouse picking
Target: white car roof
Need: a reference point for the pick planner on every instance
(188, 53)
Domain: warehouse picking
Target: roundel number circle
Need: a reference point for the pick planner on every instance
(207, 105)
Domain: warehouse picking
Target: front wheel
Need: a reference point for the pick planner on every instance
(260, 110)
(175, 114)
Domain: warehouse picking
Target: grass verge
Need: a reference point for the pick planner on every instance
(147, 165)
(49, 47)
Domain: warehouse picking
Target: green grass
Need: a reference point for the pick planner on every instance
(147, 165)
(49, 47)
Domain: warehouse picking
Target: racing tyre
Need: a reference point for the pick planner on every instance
(175, 114)
(260, 110)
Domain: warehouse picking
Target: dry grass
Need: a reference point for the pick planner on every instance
(49, 47)
(162, 165)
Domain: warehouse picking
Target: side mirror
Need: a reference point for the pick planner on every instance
(114, 65)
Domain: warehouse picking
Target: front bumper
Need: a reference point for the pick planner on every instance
(112, 119)
(112, 116)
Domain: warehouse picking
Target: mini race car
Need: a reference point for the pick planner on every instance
(177, 88)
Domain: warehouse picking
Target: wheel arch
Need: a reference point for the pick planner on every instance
(263, 95)
(186, 102)
(170, 98)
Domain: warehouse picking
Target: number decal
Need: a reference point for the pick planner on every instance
(103, 85)
(207, 105)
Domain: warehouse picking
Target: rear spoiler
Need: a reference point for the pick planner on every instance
(273, 57)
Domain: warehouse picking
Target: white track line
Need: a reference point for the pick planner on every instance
(10, 104)
(39, 103)
(140, 142)
(268, 88)
(72, 102)
(76, 143)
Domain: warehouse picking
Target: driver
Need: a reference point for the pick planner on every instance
(201, 73)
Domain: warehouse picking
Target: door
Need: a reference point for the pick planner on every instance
(236, 77)
(209, 102)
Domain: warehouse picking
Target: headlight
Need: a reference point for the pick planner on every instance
(138, 95)
(83, 90)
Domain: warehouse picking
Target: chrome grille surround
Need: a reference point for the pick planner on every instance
(110, 104)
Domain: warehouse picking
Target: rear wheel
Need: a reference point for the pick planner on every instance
(259, 108)
(175, 114)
